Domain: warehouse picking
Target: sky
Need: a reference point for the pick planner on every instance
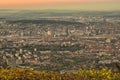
(62, 4)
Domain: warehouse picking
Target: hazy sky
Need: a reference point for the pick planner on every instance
(62, 4)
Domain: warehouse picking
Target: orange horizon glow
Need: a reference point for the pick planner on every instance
(23, 3)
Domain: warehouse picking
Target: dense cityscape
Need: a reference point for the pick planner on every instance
(60, 43)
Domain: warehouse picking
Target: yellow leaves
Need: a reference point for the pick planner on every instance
(31, 74)
(103, 74)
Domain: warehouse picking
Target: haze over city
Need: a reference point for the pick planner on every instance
(61, 4)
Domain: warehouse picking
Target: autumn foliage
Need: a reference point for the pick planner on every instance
(31, 74)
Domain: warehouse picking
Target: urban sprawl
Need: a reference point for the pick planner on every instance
(60, 43)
